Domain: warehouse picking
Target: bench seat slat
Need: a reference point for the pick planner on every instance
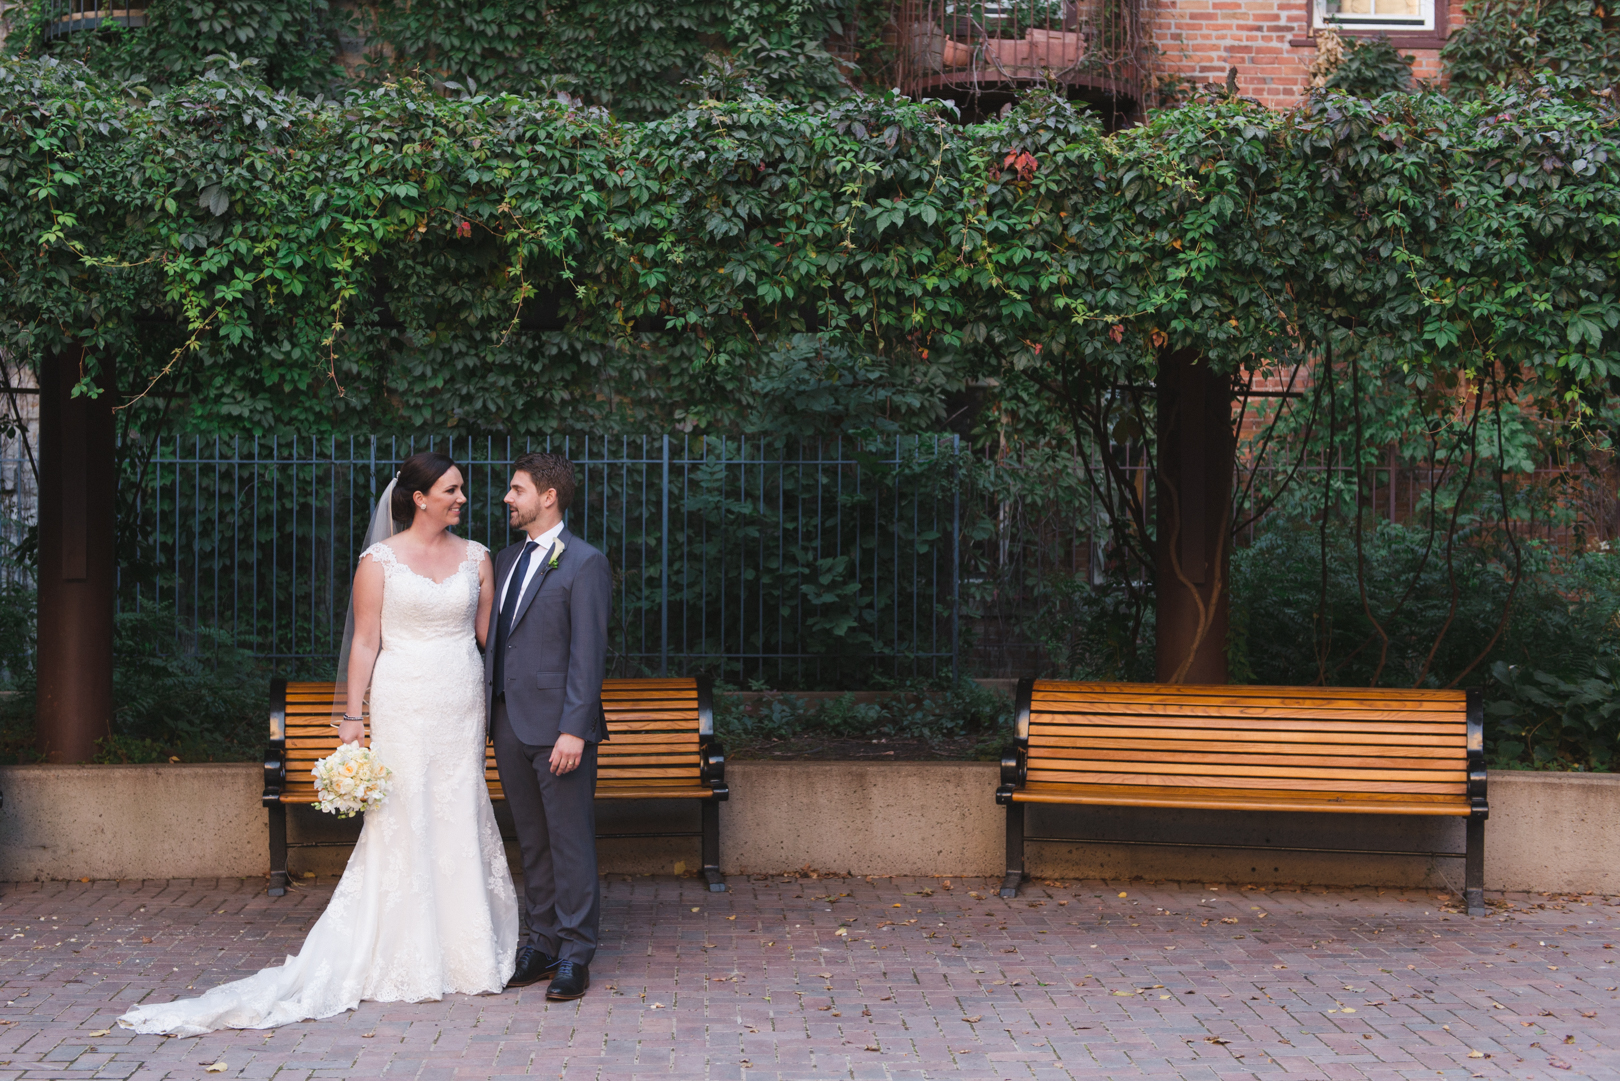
(687, 739)
(1240, 693)
(1247, 743)
(1255, 766)
(1160, 780)
(1056, 721)
(1147, 754)
(642, 792)
(1129, 715)
(1241, 800)
(1108, 735)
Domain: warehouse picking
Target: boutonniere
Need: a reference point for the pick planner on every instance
(556, 553)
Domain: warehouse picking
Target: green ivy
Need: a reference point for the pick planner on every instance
(638, 58)
(291, 42)
(1513, 41)
(643, 58)
(1371, 67)
(266, 260)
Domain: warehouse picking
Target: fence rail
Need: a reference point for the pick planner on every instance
(823, 563)
(752, 558)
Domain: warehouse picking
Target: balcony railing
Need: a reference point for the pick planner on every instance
(72, 16)
(983, 55)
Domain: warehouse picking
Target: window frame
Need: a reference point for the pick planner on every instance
(1417, 38)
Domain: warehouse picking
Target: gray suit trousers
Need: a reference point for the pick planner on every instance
(556, 824)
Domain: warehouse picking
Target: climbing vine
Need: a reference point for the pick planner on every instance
(277, 260)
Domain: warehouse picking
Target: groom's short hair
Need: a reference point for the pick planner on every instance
(549, 471)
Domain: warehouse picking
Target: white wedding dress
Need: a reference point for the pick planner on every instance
(426, 906)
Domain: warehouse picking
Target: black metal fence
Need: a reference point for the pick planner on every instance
(827, 562)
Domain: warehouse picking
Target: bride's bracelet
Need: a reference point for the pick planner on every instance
(346, 717)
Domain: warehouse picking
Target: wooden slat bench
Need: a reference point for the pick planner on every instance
(661, 746)
(1242, 748)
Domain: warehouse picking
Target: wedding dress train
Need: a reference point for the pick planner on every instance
(426, 906)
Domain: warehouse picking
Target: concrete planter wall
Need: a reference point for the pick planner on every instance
(1547, 832)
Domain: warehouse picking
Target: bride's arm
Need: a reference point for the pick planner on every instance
(368, 592)
(486, 599)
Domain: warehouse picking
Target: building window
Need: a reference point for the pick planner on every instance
(1373, 16)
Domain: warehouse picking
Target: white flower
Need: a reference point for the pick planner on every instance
(350, 780)
(557, 547)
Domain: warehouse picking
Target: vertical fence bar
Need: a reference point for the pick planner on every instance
(663, 567)
(956, 560)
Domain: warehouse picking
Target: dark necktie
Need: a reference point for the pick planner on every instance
(503, 618)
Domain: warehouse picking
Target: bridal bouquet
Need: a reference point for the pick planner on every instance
(350, 780)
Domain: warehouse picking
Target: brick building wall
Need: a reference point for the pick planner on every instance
(1268, 41)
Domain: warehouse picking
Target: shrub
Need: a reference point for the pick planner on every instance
(1513, 41)
(969, 712)
(195, 699)
(1562, 609)
(1541, 721)
(1371, 68)
(191, 698)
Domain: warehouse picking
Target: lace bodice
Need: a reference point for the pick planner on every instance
(416, 610)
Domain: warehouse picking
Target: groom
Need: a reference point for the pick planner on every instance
(543, 679)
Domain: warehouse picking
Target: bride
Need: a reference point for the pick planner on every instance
(425, 907)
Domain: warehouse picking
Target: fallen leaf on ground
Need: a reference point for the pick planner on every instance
(218, 1067)
(975, 1019)
(1558, 1063)
(101, 1032)
(1216, 1040)
(1476, 1054)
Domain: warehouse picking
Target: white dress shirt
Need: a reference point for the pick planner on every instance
(544, 543)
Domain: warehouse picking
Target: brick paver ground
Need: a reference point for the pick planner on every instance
(801, 978)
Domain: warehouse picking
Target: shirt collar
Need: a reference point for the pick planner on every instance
(546, 539)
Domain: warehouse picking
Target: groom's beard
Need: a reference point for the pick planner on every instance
(519, 519)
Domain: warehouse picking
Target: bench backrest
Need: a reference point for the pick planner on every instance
(657, 728)
(1372, 742)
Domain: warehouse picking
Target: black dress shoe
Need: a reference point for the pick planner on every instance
(533, 965)
(573, 979)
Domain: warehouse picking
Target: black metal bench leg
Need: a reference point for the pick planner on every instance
(711, 846)
(1474, 868)
(278, 849)
(1015, 850)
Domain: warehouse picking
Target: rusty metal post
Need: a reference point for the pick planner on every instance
(77, 562)
(1196, 450)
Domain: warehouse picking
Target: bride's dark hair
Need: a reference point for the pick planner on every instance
(418, 473)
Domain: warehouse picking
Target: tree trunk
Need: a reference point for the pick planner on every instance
(1196, 451)
(78, 562)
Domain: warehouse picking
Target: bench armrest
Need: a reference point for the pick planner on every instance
(1478, 805)
(712, 766)
(275, 755)
(1014, 770)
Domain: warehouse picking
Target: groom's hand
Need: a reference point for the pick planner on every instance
(566, 753)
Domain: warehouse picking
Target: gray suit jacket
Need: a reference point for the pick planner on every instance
(556, 653)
